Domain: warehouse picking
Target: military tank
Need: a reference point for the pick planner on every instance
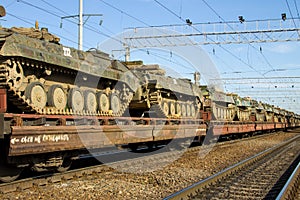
(269, 112)
(258, 111)
(42, 76)
(243, 107)
(164, 96)
(279, 115)
(223, 106)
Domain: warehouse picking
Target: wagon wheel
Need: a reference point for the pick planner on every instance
(103, 102)
(76, 100)
(178, 109)
(165, 108)
(65, 165)
(90, 101)
(183, 110)
(172, 108)
(16, 74)
(57, 97)
(115, 103)
(36, 94)
(9, 173)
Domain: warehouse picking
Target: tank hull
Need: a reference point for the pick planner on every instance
(48, 78)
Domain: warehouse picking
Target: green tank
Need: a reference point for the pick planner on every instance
(243, 107)
(164, 96)
(223, 106)
(258, 110)
(43, 76)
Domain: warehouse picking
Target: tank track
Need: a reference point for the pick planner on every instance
(156, 106)
(156, 102)
(18, 99)
(14, 96)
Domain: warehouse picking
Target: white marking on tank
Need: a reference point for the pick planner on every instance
(67, 51)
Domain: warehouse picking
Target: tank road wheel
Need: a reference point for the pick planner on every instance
(36, 94)
(103, 102)
(178, 109)
(16, 74)
(193, 111)
(9, 173)
(183, 110)
(188, 110)
(57, 97)
(76, 100)
(172, 108)
(115, 103)
(90, 101)
(165, 108)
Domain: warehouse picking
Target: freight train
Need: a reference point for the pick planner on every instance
(57, 103)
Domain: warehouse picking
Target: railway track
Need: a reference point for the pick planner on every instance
(43, 180)
(291, 189)
(261, 176)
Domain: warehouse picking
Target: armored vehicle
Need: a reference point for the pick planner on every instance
(42, 76)
(165, 96)
(258, 111)
(243, 107)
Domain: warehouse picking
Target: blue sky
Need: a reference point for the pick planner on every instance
(275, 60)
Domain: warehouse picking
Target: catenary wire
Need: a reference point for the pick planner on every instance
(290, 11)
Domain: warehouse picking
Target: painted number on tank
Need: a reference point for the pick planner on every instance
(67, 51)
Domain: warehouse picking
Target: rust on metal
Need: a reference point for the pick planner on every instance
(232, 128)
(3, 101)
(206, 116)
(17, 121)
(62, 122)
(42, 139)
(279, 125)
(2, 126)
(268, 126)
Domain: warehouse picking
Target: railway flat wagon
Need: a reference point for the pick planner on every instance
(52, 142)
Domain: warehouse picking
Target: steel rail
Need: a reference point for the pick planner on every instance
(289, 191)
(192, 190)
(46, 179)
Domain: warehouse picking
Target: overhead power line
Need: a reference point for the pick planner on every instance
(51, 5)
(287, 3)
(210, 40)
(241, 20)
(39, 8)
(88, 27)
(194, 28)
(32, 24)
(296, 8)
(169, 10)
(123, 12)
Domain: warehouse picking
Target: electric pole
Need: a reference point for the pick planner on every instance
(80, 23)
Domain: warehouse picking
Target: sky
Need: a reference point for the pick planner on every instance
(268, 72)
